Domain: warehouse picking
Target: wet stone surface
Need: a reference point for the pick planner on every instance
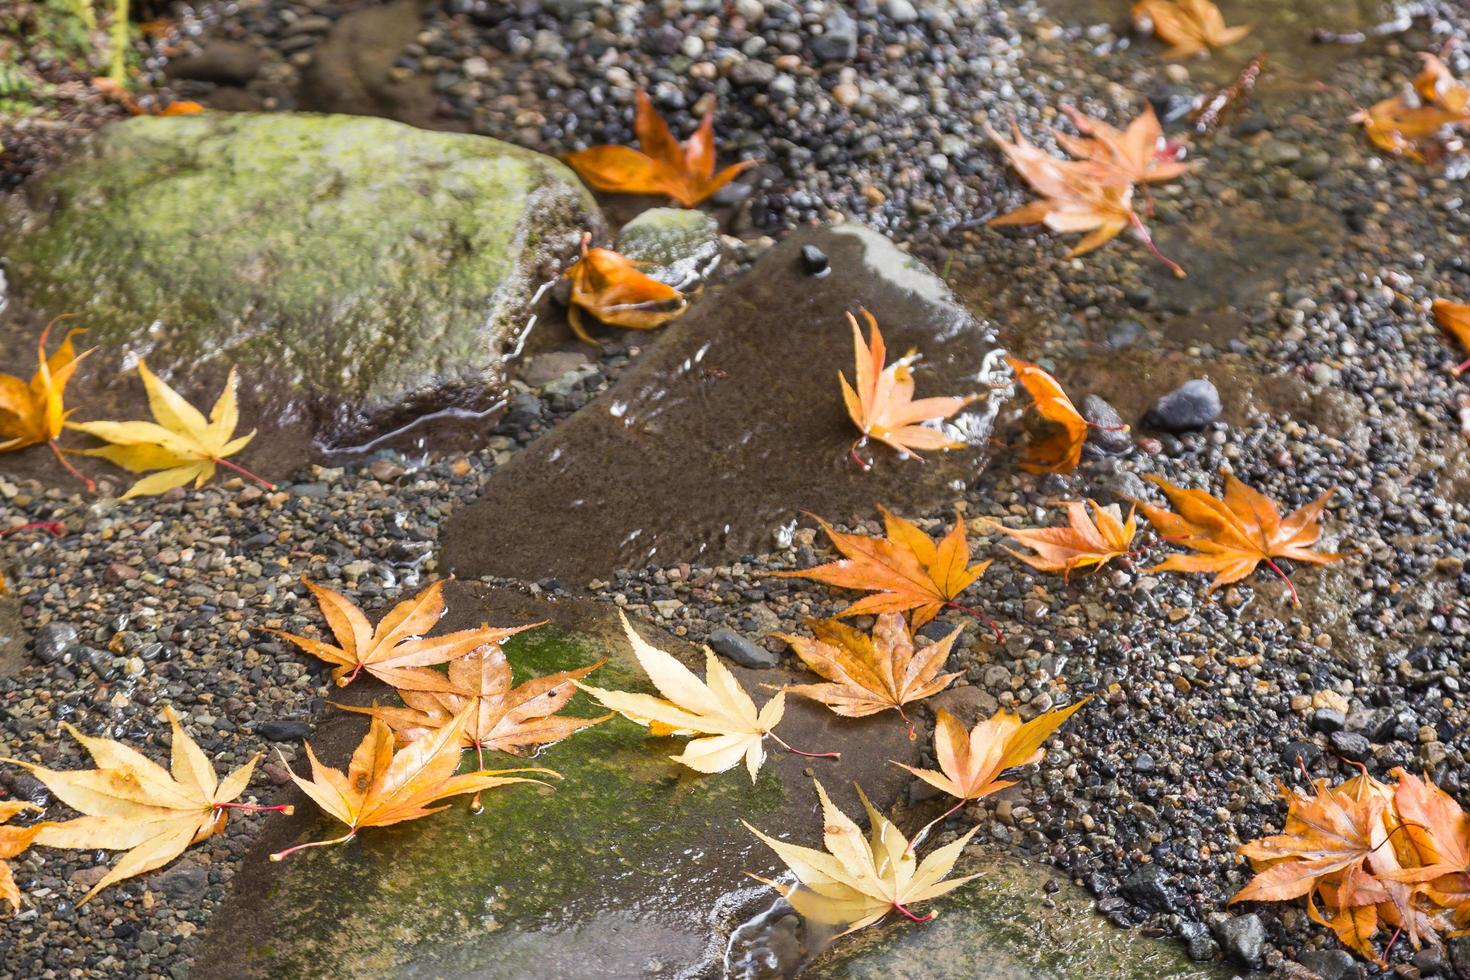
(632, 866)
(731, 425)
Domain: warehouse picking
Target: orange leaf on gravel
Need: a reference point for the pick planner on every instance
(1085, 541)
(1190, 26)
(906, 572)
(685, 172)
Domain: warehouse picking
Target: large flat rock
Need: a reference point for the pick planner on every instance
(359, 272)
(634, 866)
(733, 424)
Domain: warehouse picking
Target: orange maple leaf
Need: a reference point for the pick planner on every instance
(396, 651)
(1455, 317)
(36, 413)
(1061, 450)
(685, 172)
(1073, 198)
(1439, 833)
(970, 763)
(882, 405)
(610, 287)
(1325, 833)
(1234, 535)
(1084, 542)
(1407, 125)
(867, 674)
(1136, 155)
(907, 571)
(1191, 26)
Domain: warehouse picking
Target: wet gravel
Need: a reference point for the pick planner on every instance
(1312, 259)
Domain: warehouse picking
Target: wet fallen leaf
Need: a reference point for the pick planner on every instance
(396, 651)
(1326, 833)
(882, 405)
(1137, 155)
(134, 804)
(383, 787)
(1073, 199)
(684, 172)
(1190, 26)
(13, 842)
(36, 413)
(907, 571)
(858, 880)
(716, 710)
(1439, 833)
(180, 443)
(1232, 536)
(1085, 541)
(970, 763)
(1411, 123)
(611, 287)
(866, 673)
(501, 717)
(1455, 317)
(1064, 429)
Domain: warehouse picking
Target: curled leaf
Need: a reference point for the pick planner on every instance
(1064, 430)
(611, 287)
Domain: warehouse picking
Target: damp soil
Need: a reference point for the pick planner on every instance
(732, 425)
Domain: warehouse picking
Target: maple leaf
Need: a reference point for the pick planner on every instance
(396, 651)
(1439, 834)
(1455, 317)
(1061, 449)
(13, 842)
(716, 709)
(1136, 155)
(882, 405)
(36, 413)
(1073, 198)
(134, 804)
(611, 287)
(383, 787)
(684, 172)
(970, 763)
(907, 571)
(1191, 26)
(859, 880)
(180, 443)
(1234, 535)
(1408, 124)
(1325, 833)
(867, 674)
(1085, 541)
(504, 718)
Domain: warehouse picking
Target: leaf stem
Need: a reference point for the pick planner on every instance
(285, 808)
(924, 830)
(91, 487)
(1143, 234)
(810, 755)
(244, 472)
(911, 916)
(1295, 599)
(282, 855)
(852, 451)
(977, 613)
(913, 735)
(56, 528)
(1463, 366)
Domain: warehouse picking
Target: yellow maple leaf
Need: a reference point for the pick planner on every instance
(716, 709)
(133, 804)
(13, 842)
(858, 880)
(180, 443)
(35, 413)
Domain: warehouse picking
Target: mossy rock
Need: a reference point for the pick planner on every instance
(359, 269)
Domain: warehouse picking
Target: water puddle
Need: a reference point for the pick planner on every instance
(1281, 29)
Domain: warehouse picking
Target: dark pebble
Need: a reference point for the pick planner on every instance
(1243, 939)
(55, 642)
(1191, 406)
(283, 731)
(1329, 964)
(1328, 720)
(1149, 886)
(1124, 333)
(1350, 745)
(730, 644)
(1108, 434)
(814, 261)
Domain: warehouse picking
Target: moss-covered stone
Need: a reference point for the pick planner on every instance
(997, 928)
(367, 268)
(680, 245)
